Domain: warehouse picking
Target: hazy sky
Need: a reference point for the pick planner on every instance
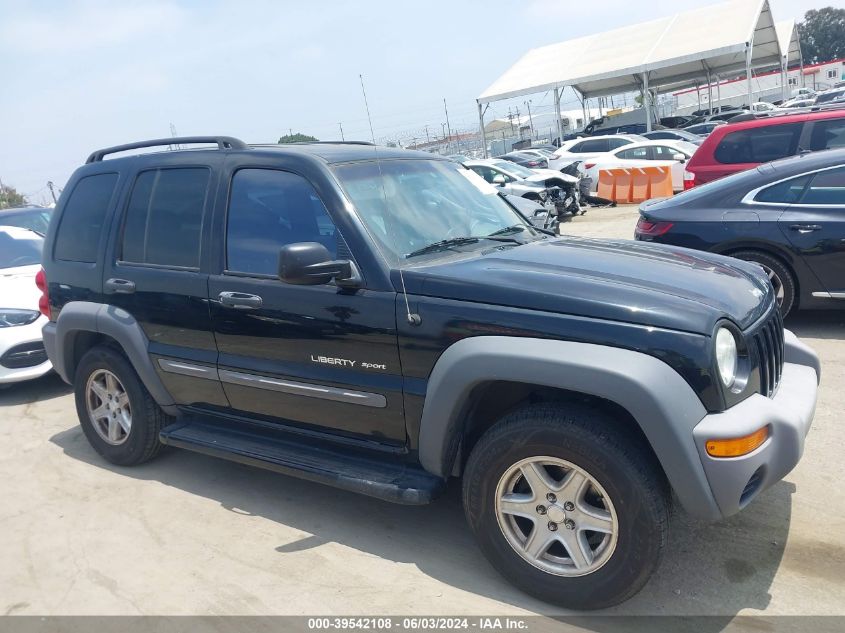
(77, 76)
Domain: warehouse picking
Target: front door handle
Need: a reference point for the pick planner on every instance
(240, 300)
(119, 286)
(805, 228)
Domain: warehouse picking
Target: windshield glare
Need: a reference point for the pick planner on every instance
(427, 201)
(19, 247)
(513, 168)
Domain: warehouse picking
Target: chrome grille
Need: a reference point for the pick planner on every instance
(767, 347)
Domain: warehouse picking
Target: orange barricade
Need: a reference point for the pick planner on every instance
(661, 183)
(635, 184)
(640, 184)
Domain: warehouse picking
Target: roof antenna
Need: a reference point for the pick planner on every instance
(413, 319)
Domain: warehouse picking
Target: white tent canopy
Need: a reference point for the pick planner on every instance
(717, 39)
(788, 42)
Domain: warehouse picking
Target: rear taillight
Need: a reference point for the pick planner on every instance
(589, 165)
(689, 180)
(44, 299)
(652, 229)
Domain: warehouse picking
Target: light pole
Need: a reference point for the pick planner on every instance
(530, 118)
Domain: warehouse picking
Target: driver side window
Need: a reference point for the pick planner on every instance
(269, 209)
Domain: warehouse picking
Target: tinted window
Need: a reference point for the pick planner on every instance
(164, 218)
(19, 248)
(787, 191)
(759, 145)
(83, 217)
(591, 146)
(827, 187)
(661, 135)
(828, 134)
(267, 210)
(636, 153)
(613, 143)
(664, 152)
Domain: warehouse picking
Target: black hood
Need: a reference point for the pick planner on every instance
(627, 281)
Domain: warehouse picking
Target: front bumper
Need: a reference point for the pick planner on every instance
(18, 343)
(735, 481)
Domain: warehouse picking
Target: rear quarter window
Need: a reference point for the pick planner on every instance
(81, 225)
(164, 218)
(758, 145)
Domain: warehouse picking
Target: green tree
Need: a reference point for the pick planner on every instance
(10, 198)
(822, 35)
(299, 137)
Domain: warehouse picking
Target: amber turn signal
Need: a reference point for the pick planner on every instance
(737, 446)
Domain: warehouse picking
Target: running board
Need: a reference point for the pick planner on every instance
(381, 476)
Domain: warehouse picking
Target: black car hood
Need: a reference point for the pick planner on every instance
(648, 284)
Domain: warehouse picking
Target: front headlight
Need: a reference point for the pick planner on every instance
(726, 356)
(10, 317)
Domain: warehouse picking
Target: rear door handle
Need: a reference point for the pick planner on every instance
(805, 228)
(120, 286)
(240, 300)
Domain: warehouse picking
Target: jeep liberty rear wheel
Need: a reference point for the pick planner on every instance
(567, 506)
(117, 414)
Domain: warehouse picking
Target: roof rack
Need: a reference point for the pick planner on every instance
(328, 143)
(223, 142)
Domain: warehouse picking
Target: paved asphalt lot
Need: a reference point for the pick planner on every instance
(188, 534)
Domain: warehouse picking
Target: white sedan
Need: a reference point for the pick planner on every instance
(22, 354)
(674, 154)
(589, 147)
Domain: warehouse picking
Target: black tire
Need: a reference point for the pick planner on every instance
(588, 438)
(141, 443)
(780, 270)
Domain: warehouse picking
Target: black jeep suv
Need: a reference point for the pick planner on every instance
(382, 321)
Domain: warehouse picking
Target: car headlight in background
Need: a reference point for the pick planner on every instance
(10, 317)
(726, 356)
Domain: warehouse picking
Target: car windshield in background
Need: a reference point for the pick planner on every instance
(19, 247)
(36, 219)
(513, 168)
(408, 205)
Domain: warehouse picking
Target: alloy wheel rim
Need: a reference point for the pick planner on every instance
(556, 516)
(109, 409)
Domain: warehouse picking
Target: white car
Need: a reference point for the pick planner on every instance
(22, 354)
(762, 106)
(516, 180)
(645, 154)
(589, 147)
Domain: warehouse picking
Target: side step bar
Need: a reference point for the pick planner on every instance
(381, 476)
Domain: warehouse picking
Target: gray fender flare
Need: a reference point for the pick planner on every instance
(84, 316)
(657, 397)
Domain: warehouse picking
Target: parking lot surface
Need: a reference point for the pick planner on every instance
(190, 534)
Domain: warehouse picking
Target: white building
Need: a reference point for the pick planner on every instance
(766, 86)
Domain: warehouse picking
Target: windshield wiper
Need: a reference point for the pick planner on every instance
(459, 241)
(516, 228)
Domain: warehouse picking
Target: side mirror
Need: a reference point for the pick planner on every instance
(680, 158)
(499, 179)
(310, 264)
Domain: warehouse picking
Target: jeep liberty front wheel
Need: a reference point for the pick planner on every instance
(567, 505)
(117, 413)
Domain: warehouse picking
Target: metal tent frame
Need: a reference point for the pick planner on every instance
(672, 52)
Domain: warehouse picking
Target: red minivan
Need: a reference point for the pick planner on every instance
(745, 144)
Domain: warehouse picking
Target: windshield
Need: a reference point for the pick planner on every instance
(19, 247)
(428, 201)
(38, 220)
(513, 168)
